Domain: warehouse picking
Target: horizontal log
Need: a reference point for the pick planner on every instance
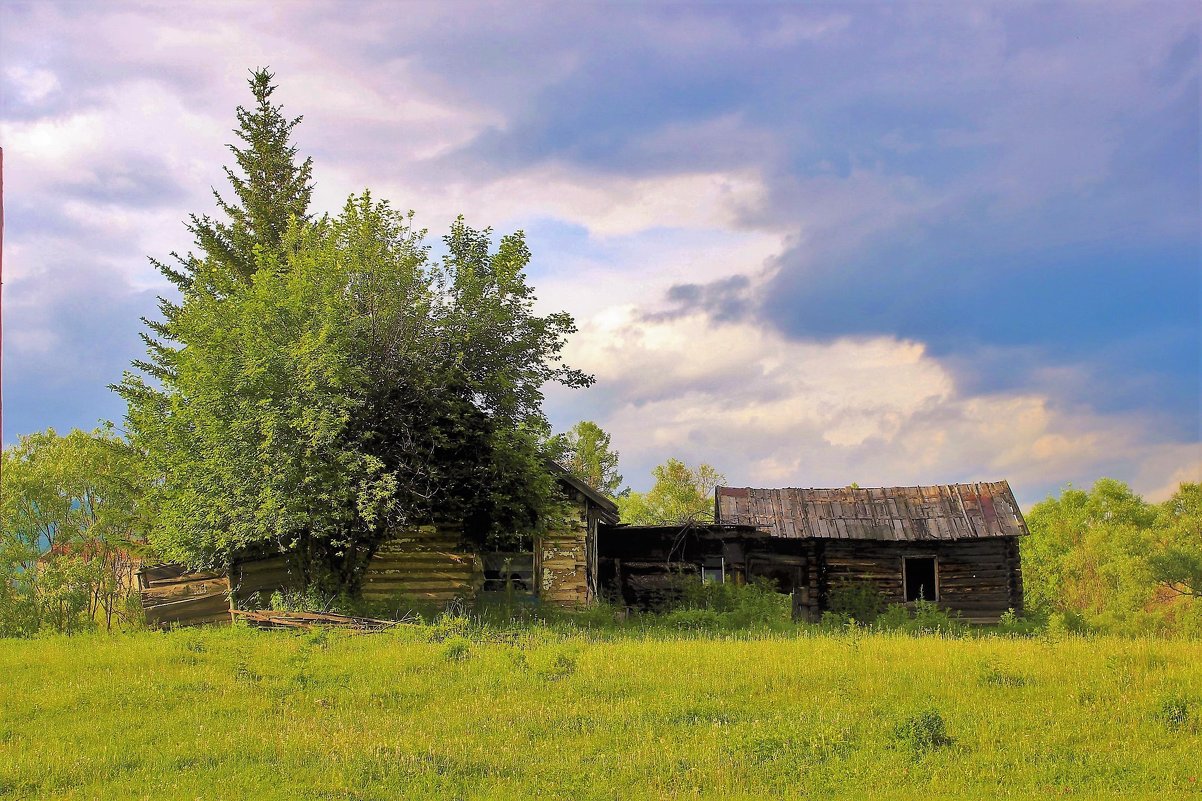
(562, 564)
(978, 586)
(183, 591)
(420, 546)
(187, 578)
(426, 557)
(422, 570)
(418, 598)
(419, 586)
(203, 620)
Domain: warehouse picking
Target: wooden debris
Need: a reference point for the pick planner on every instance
(268, 619)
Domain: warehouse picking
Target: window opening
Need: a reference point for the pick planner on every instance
(713, 569)
(920, 580)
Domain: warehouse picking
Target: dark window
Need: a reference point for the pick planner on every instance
(508, 571)
(920, 579)
(713, 569)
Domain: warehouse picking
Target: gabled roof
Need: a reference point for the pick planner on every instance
(608, 509)
(939, 512)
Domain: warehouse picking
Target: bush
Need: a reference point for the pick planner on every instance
(860, 600)
(1175, 712)
(456, 649)
(926, 618)
(922, 732)
(728, 604)
(1012, 625)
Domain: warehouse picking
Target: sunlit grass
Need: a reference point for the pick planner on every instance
(446, 713)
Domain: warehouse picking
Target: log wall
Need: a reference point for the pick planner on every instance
(562, 562)
(425, 564)
(172, 595)
(979, 578)
(263, 577)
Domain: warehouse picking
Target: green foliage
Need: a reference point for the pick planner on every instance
(711, 605)
(1176, 565)
(922, 732)
(585, 451)
(72, 521)
(680, 495)
(327, 381)
(858, 600)
(921, 618)
(456, 649)
(1112, 561)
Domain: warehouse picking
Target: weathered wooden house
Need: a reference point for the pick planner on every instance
(955, 545)
(424, 566)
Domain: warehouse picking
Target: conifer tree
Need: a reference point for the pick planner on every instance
(270, 188)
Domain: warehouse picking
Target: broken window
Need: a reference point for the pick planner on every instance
(919, 573)
(713, 569)
(508, 571)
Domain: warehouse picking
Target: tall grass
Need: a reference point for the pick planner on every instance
(453, 710)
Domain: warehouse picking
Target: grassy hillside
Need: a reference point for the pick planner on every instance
(441, 712)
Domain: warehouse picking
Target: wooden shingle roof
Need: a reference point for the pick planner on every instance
(939, 512)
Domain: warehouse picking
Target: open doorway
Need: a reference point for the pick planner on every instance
(919, 575)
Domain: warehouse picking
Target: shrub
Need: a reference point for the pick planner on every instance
(922, 732)
(456, 649)
(925, 618)
(861, 600)
(1175, 712)
(1011, 624)
(727, 604)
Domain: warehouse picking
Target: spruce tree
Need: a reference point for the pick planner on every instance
(270, 188)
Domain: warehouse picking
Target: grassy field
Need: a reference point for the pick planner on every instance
(439, 712)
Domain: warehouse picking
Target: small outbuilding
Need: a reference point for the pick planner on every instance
(952, 544)
(427, 567)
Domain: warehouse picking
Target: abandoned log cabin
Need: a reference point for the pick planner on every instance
(426, 566)
(955, 545)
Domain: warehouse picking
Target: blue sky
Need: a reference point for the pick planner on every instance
(810, 244)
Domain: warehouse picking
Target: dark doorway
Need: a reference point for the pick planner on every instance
(920, 579)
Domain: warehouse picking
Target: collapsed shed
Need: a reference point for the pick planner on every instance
(427, 566)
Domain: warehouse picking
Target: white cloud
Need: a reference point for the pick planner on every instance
(878, 411)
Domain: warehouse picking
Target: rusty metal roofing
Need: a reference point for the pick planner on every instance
(939, 512)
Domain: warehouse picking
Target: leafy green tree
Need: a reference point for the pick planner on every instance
(1176, 565)
(324, 381)
(353, 386)
(680, 495)
(586, 451)
(72, 522)
(270, 188)
(1088, 555)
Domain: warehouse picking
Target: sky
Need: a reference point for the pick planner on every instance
(811, 245)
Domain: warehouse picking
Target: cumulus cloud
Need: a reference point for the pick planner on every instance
(890, 244)
(772, 411)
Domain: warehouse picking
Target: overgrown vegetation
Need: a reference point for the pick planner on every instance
(324, 380)
(680, 494)
(458, 710)
(71, 522)
(1108, 560)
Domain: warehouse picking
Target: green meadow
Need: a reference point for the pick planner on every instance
(453, 711)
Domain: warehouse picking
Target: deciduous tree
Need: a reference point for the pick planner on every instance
(680, 495)
(72, 522)
(586, 450)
